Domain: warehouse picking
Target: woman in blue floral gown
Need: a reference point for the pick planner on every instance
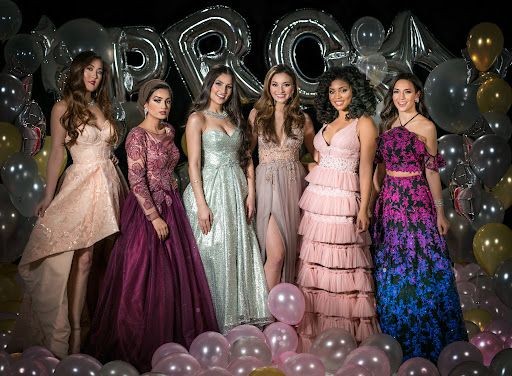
(417, 301)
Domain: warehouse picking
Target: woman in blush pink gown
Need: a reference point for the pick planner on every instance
(155, 289)
(335, 262)
(56, 261)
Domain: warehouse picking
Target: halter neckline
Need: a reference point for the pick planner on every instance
(408, 121)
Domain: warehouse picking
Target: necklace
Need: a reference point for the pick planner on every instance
(408, 121)
(217, 115)
(91, 102)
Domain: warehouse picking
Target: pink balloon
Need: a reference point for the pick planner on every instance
(332, 346)
(467, 288)
(5, 362)
(501, 327)
(495, 306)
(36, 352)
(167, 349)
(418, 367)
(244, 365)
(283, 357)
(488, 343)
(304, 365)
(251, 346)
(508, 344)
(281, 337)
(49, 363)
(353, 370)
(244, 331)
(28, 366)
(470, 271)
(214, 371)
(177, 364)
(455, 353)
(457, 269)
(371, 358)
(211, 349)
(286, 303)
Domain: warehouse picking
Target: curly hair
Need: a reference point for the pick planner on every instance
(232, 106)
(389, 111)
(363, 100)
(77, 112)
(265, 107)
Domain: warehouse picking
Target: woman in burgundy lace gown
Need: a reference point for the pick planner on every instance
(155, 288)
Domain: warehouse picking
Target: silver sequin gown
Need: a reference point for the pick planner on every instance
(230, 251)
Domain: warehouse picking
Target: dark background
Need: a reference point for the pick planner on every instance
(450, 22)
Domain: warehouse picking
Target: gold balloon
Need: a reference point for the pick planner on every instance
(492, 244)
(494, 94)
(42, 156)
(478, 316)
(267, 371)
(484, 43)
(10, 141)
(503, 190)
(184, 144)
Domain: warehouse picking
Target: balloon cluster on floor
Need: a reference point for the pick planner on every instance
(246, 350)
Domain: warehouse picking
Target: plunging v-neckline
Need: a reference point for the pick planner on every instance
(335, 134)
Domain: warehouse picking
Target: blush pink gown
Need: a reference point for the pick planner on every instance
(335, 272)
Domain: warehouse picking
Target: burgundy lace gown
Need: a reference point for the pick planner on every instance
(154, 291)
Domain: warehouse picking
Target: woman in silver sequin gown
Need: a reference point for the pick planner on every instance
(220, 202)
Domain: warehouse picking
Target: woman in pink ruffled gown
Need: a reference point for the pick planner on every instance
(56, 261)
(335, 262)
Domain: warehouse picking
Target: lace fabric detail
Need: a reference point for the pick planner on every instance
(339, 163)
(402, 150)
(269, 151)
(151, 162)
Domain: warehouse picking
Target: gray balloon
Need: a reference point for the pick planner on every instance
(451, 148)
(13, 97)
(471, 328)
(23, 54)
(77, 365)
(501, 364)
(389, 345)
(10, 22)
(118, 368)
(500, 124)
(503, 282)
(460, 238)
(490, 158)
(470, 368)
(491, 211)
(450, 101)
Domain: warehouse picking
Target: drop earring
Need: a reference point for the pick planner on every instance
(145, 112)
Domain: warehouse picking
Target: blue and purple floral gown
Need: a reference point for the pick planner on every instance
(417, 301)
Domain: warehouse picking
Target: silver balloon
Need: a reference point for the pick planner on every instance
(479, 128)
(367, 35)
(23, 54)
(491, 211)
(470, 368)
(78, 365)
(500, 124)
(146, 42)
(490, 157)
(409, 41)
(374, 66)
(332, 347)
(230, 29)
(45, 33)
(451, 102)
(502, 63)
(32, 124)
(118, 368)
(317, 26)
(10, 21)
(450, 146)
(13, 97)
(389, 345)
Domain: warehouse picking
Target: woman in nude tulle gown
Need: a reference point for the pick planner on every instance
(56, 261)
(335, 262)
(279, 128)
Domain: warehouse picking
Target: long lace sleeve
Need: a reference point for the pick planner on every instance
(434, 162)
(137, 172)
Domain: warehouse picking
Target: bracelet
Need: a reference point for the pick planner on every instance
(439, 203)
(195, 181)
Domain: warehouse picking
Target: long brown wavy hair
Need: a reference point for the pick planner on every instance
(265, 107)
(232, 106)
(77, 112)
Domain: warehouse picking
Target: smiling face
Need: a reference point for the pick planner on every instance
(340, 94)
(221, 89)
(159, 104)
(281, 87)
(93, 74)
(404, 96)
